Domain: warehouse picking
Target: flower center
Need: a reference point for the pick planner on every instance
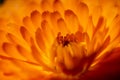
(66, 39)
(69, 54)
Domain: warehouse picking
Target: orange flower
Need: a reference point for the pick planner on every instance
(60, 40)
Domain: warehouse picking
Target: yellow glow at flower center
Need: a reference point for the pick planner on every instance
(69, 54)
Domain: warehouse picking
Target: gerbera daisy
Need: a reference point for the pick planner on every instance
(60, 40)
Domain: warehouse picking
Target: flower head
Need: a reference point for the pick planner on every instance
(60, 39)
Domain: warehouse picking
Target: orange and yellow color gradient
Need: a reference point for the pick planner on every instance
(60, 40)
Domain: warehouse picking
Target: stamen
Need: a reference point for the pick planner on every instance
(69, 54)
(65, 40)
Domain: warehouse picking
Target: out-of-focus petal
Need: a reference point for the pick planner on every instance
(108, 68)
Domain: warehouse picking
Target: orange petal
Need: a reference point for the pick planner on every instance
(62, 26)
(46, 5)
(24, 52)
(11, 51)
(40, 39)
(25, 34)
(71, 21)
(47, 33)
(97, 12)
(28, 24)
(58, 6)
(36, 18)
(83, 14)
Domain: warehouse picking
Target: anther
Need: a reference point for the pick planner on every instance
(65, 40)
